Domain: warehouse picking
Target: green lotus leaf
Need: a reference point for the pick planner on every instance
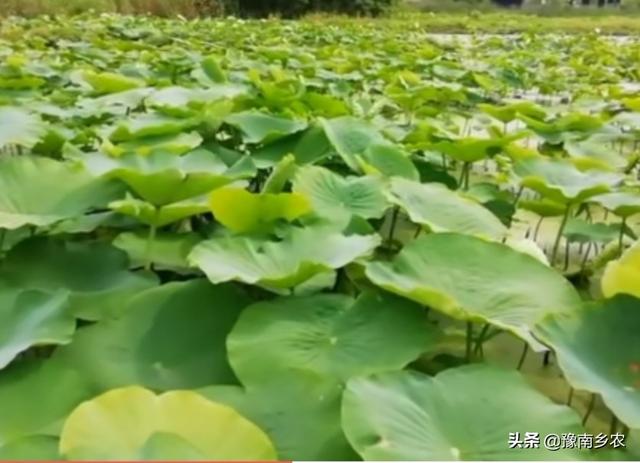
(509, 112)
(583, 231)
(149, 125)
(123, 424)
(442, 210)
(595, 153)
(36, 396)
(472, 279)
(330, 335)
(242, 211)
(109, 82)
(163, 178)
(169, 250)
(281, 174)
(597, 349)
(464, 413)
(175, 144)
(302, 254)
(471, 149)
(19, 127)
(364, 149)
(300, 413)
(32, 448)
(307, 147)
(154, 216)
(622, 275)
(32, 318)
(257, 127)
(181, 97)
(560, 181)
(388, 160)
(332, 195)
(623, 204)
(95, 274)
(116, 104)
(564, 127)
(39, 191)
(212, 70)
(543, 207)
(171, 337)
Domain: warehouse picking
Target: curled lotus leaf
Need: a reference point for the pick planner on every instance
(242, 211)
(442, 210)
(598, 350)
(472, 279)
(70, 191)
(299, 256)
(257, 127)
(561, 181)
(621, 276)
(163, 178)
(623, 203)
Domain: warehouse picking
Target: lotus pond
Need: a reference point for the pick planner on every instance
(259, 240)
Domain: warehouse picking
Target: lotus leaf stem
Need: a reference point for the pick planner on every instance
(563, 224)
(592, 403)
(621, 236)
(149, 247)
(392, 228)
(523, 356)
(570, 398)
(469, 341)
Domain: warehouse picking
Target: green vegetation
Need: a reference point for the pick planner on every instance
(327, 239)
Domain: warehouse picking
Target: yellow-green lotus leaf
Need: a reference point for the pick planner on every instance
(623, 275)
(128, 423)
(243, 211)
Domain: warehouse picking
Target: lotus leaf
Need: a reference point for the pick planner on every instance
(442, 210)
(19, 127)
(303, 253)
(330, 335)
(560, 181)
(70, 191)
(171, 337)
(472, 279)
(598, 351)
(623, 275)
(242, 211)
(127, 423)
(417, 417)
(257, 127)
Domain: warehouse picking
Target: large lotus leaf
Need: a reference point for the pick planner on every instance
(307, 147)
(257, 127)
(472, 279)
(562, 182)
(95, 274)
(332, 195)
(464, 413)
(300, 413)
(442, 210)
(623, 204)
(471, 149)
(363, 148)
(330, 335)
(40, 191)
(169, 250)
(622, 276)
(388, 160)
(163, 178)
(302, 254)
(151, 215)
(109, 82)
(595, 152)
(35, 397)
(32, 318)
(242, 211)
(598, 350)
(149, 125)
(543, 207)
(19, 127)
(116, 104)
(125, 424)
(583, 231)
(171, 337)
(181, 97)
(175, 144)
(564, 127)
(32, 448)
